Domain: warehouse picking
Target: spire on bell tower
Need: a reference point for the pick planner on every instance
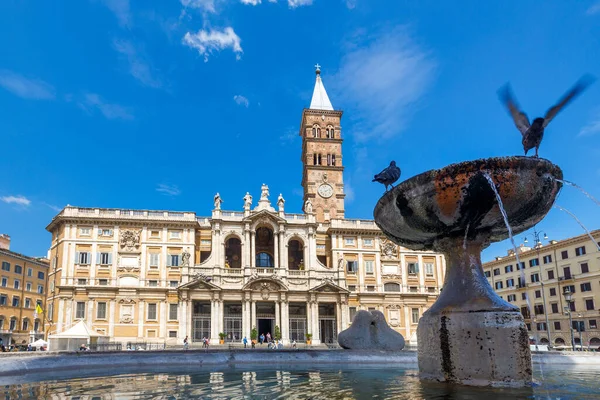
(320, 100)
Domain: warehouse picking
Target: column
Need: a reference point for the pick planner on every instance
(221, 307)
(111, 320)
(214, 322)
(285, 323)
(315, 313)
(60, 316)
(182, 318)
(277, 319)
(404, 273)
(361, 276)
(252, 249)
(345, 316)
(407, 322)
(283, 257)
(421, 274)
(245, 329)
(338, 316)
(276, 249)
(141, 317)
(253, 315)
(162, 317)
(246, 260)
(89, 312)
(309, 327)
(163, 264)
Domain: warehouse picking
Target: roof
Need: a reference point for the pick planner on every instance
(320, 100)
(39, 261)
(79, 330)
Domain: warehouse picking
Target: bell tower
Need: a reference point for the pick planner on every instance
(322, 172)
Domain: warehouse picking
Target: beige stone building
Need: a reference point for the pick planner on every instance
(548, 270)
(22, 288)
(164, 275)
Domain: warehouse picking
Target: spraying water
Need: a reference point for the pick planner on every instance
(510, 234)
(579, 222)
(580, 188)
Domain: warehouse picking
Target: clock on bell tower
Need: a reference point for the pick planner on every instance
(322, 174)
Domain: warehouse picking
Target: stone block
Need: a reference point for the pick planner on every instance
(370, 331)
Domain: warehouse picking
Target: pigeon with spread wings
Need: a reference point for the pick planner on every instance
(534, 133)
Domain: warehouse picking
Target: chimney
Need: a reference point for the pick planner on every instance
(4, 241)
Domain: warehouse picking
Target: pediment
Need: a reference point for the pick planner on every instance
(265, 283)
(264, 215)
(329, 287)
(199, 283)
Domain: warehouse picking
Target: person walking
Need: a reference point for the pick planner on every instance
(185, 343)
(245, 341)
(269, 337)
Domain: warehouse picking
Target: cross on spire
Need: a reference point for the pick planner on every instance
(318, 68)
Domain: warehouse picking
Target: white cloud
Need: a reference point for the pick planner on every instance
(251, 2)
(205, 5)
(594, 9)
(298, 192)
(168, 190)
(349, 190)
(299, 3)
(290, 134)
(241, 100)
(351, 4)
(53, 207)
(139, 68)
(593, 128)
(92, 101)
(18, 200)
(383, 80)
(121, 10)
(24, 87)
(207, 42)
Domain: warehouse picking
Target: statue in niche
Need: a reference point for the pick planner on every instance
(218, 201)
(185, 258)
(308, 208)
(247, 201)
(280, 202)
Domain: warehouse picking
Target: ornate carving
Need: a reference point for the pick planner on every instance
(128, 269)
(130, 240)
(126, 319)
(127, 300)
(298, 283)
(393, 307)
(232, 280)
(201, 277)
(185, 258)
(389, 250)
(392, 276)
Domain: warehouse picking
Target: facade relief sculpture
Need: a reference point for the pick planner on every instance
(130, 240)
(389, 250)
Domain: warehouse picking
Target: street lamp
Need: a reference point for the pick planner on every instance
(579, 323)
(536, 238)
(569, 299)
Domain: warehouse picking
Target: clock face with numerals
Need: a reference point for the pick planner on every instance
(325, 190)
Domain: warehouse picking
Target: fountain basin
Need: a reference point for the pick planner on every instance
(424, 211)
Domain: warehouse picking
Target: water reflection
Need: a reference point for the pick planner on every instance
(333, 382)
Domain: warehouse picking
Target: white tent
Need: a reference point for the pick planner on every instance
(72, 339)
(39, 343)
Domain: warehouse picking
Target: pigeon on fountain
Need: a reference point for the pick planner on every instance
(534, 133)
(388, 176)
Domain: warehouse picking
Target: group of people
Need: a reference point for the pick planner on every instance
(186, 343)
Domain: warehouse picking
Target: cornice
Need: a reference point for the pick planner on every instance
(23, 257)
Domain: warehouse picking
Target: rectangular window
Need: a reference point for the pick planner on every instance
(550, 274)
(538, 294)
(173, 312)
(103, 282)
(352, 313)
(18, 269)
(429, 269)
(4, 282)
(29, 271)
(154, 234)
(104, 258)
(28, 286)
(153, 283)
(538, 309)
(534, 262)
(369, 267)
(535, 278)
(593, 324)
(564, 254)
(13, 324)
(349, 241)
(352, 288)
(105, 232)
(3, 299)
(552, 291)
(17, 284)
(508, 268)
(41, 275)
(352, 266)
(554, 307)
(83, 258)
(80, 310)
(523, 296)
(541, 326)
(85, 231)
(521, 266)
(370, 288)
(511, 298)
(585, 268)
(27, 303)
(413, 268)
(572, 306)
(175, 234)
(173, 283)
(154, 259)
(498, 285)
(101, 311)
(570, 288)
(40, 289)
(589, 304)
(5, 266)
(580, 251)
(557, 325)
(172, 334)
(548, 259)
(82, 281)
(368, 242)
(510, 283)
(586, 287)
(415, 315)
(16, 301)
(173, 260)
(152, 311)
(496, 271)
(487, 274)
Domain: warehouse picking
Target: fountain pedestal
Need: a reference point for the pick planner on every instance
(470, 335)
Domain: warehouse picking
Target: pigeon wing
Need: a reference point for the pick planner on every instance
(575, 91)
(518, 116)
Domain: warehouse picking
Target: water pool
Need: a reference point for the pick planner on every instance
(280, 382)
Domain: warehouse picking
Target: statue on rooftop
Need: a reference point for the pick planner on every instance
(218, 201)
(247, 201)
(264, 194)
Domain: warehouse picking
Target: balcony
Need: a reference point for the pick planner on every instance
(113, 213)
(296, 273)
(566, 278)
(353, 224)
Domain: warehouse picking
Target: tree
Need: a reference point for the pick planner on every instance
(277, 335)
(254, 334)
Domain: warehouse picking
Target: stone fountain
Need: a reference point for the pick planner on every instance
(470, 335)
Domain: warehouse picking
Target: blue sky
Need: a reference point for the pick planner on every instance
(161, 104)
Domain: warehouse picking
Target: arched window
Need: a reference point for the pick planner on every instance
(233, 253)
(595, 342)
(295, 255)
(25, 324)
(1, 322)
(330, 132)
(13, 324)
(391, 287)
(559, 341)
(264, 260)
(316, 159)
(316, 130)
(544, 341)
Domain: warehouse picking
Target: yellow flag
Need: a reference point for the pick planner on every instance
(38, 309)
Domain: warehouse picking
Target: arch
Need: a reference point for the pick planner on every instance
(559, 341)
(544, 341)
(233, 252)
(330, 133)
(264, 245)
(391, 287)
(296, 254)
(595, 342)
(316, 131)
(577, 341)
(264, 260)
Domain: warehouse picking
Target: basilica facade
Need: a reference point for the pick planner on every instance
(159, 276)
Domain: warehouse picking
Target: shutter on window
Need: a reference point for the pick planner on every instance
(110, 232)
(417, 267)
(89, 257)
(168, 260)
(76, 257)
(98, 258)
(99, 232)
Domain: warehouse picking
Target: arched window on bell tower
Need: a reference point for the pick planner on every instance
(330, 132)
(316, 130)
